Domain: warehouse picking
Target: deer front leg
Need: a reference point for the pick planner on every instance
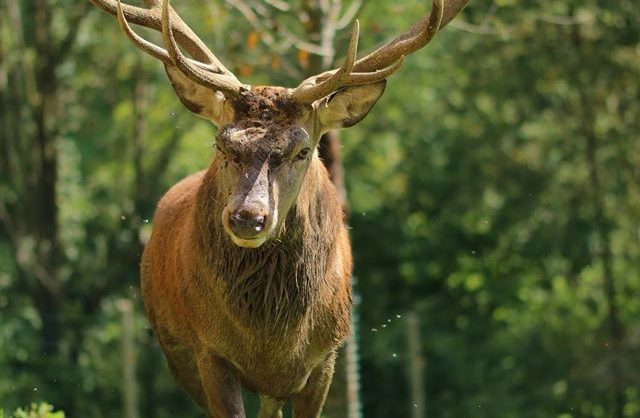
(221, 387)
(309, 402)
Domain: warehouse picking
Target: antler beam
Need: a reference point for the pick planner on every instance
(205, 69)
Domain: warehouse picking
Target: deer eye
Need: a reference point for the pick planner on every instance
(303, 154)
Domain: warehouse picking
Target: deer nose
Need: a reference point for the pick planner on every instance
(247, 224)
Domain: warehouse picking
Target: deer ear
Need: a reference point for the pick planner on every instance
(202, 101)
(348, 106)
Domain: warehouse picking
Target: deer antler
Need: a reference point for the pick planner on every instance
(382, 62)
(204, 68)
(324, 84)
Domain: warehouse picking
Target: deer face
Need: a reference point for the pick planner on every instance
(262, 156)
(261, 170)
(264, 147)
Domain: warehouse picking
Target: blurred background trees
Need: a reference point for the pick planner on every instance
(494, 195)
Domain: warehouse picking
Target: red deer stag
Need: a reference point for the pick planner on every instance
(246, 278)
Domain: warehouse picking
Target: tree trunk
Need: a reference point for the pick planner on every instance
(330, 154)
(344, 394)
(129, 383)
(416, 367)
(603, 230)
(30, 96)
(603, 227)
(41, 195)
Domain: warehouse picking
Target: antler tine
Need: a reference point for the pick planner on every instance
(317, 87)
(220, 82)
(152, 18)
(412, 40)
(377, 75)
(146, 46)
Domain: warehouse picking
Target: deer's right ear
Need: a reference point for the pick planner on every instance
(202, 101)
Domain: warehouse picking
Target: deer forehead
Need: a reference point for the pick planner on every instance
(268, 106)
(256, 144)
(265, 119)
(260, 141)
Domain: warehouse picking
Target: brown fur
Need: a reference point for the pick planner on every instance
(269, 318)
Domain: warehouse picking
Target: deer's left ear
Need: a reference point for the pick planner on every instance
(202, 101)
(348, 106)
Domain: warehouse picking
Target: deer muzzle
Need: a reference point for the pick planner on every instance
(249, 217)
(246, 224)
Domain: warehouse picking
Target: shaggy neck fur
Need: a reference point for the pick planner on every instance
(272, 286)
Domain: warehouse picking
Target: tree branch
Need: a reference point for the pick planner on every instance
(252, 18)
(74, 24)
(278, 4)
(350, 14)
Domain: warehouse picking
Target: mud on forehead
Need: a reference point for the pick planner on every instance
(276, 140)
(266, 120)
(267, 105)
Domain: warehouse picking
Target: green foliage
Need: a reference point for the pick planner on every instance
(487, 220)
(41, 410)
(494, 191)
